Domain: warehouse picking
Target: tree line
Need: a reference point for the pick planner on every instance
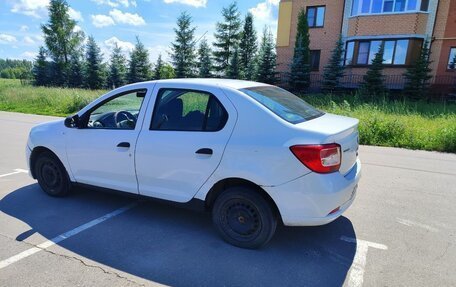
(66, 61)
(15, 69)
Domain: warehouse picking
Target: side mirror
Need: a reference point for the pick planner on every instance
(72, 121)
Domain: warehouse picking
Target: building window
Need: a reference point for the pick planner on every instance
(314, 60)
(316, 16)
(395, 51)
(366, 7)
(452, 59)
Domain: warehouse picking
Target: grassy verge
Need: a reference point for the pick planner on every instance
(414, 125)
(41, 100)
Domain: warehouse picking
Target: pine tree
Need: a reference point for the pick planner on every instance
(183, 48)
(95, 74)
(418, 76)
(40, 68)
(76, 76)
(204, 60)
(334, 70)
(227, 37)
(117, 68)
(139, 65)
(248, 48)
(61, 39)
(299, 76)
(373, 84)
(158, 68)
(234, 69)
(267, 59)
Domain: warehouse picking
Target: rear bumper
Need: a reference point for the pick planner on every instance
(308, 200)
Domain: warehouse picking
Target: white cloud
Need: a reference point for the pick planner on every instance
(194, 3)
(34, 8)
(77, 28)
(7, 39)
(102, 21)
(263, 14)
(127, 18)
(75, 15)
(154, 51)
(116, 3)
(24, 28)
(125, 46)
(28, 40)
(28, 55)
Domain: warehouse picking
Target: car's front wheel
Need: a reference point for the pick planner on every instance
(51, 175)
(244, 218)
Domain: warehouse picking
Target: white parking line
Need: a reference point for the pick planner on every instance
(61, 237)
(356, 276)
(16, 171)
(416, 224)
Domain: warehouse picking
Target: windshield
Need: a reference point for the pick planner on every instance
(283, 103)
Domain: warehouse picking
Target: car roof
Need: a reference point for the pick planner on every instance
(214, 82)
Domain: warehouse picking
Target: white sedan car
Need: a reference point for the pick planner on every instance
(252, 154)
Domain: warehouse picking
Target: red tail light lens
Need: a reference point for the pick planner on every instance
(324, 158)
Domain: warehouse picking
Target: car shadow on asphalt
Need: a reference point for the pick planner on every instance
(179, 247)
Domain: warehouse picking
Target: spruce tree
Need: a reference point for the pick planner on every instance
(40, 69)
(183, 48)
(234, 69)
(117, 68)
(204, 60)
(299, 76)
(248, 48)
(267, 59)
(95, 74)
(334, 70)
(76, 76)
(61, 39)
(418, 76)
(373, 84)
(139, 66)
(227, 35)
(158, 68)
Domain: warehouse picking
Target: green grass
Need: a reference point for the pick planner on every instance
(15, 97)
(414, 125)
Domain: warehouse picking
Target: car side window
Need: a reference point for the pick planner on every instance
(188, 110)
(120, 112)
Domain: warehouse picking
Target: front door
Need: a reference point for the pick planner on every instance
(182, 141)
(101, 151)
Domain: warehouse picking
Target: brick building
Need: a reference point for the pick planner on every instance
(402, 25)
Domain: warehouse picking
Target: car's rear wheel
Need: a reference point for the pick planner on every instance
(51, 175)
(244, 218)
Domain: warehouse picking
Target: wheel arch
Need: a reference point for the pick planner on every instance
(218, 188)
(36, 152)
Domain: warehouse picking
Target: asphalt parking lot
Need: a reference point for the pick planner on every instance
(401, 231)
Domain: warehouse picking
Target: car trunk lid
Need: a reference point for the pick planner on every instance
(337, 129)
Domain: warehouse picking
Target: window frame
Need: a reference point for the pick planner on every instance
(211, 97)
(449, 60)
(85, 118)
(419, 8)
(356, 46)
(314, 25)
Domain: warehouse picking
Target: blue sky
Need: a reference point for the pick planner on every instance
(119, 21)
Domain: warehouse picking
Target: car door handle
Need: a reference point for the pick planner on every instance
(204, 151)
(123, 144)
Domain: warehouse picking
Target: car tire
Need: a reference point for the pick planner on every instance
(51, 175)
(244, 218)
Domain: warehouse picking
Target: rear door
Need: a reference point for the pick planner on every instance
(182, 140)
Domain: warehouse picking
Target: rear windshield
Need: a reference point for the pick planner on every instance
(283, 103)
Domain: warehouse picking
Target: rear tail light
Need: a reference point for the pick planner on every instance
(324, 158)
